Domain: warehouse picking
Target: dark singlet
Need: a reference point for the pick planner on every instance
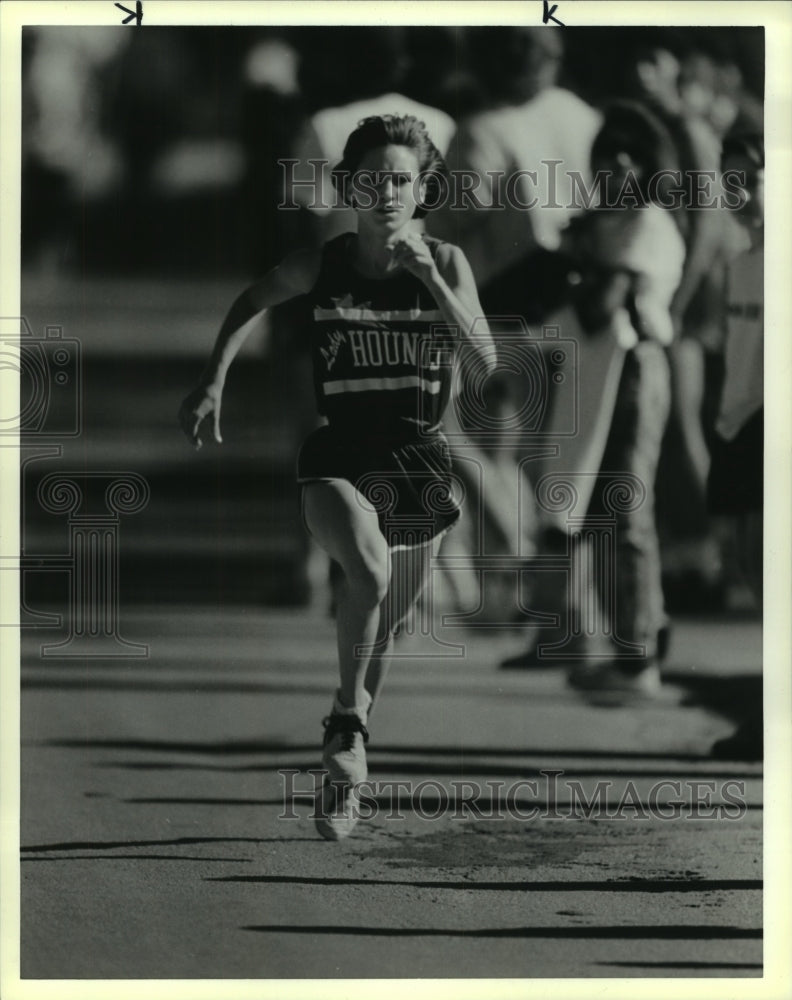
(382, 353)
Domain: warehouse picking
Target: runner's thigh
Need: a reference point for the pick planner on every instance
(346, 526)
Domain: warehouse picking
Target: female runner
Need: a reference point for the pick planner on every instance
(390, 307)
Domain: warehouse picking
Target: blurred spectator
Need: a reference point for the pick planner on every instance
(64, 128)
(736, 476)
(68, 157)
(628, 257)
(712, 83)
(503, 149)
(676, 80)
(530, 122)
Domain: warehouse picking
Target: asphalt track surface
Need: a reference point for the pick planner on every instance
(160, 840)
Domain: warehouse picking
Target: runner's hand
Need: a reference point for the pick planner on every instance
(201, 403)
(414, 255)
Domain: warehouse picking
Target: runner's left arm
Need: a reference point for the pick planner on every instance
(450, 280)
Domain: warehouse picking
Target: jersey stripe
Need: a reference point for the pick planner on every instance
(360, 314)
(374, 384)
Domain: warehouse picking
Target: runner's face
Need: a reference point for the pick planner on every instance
(385, 190)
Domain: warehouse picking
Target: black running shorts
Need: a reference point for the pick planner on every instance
(411, 486)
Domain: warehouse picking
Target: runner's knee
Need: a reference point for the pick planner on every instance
(368, 576)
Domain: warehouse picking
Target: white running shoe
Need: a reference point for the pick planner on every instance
(344, 757)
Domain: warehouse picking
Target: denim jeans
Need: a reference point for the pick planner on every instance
(630, 591)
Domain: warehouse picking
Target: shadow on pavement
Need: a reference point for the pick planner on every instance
(610, 885)
(658, 932)
(241, 747)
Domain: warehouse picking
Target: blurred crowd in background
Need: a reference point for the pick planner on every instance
(125, 134)
(157, 153)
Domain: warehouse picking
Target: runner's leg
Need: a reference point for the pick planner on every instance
(409, 574)
(345, 526)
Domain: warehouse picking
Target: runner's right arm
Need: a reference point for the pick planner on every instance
(294, 276)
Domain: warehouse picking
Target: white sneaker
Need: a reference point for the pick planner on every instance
(344, 748)
(344, 757)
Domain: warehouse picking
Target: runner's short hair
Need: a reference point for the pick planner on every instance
(394, 130)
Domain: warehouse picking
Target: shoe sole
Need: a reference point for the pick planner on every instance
(332, 819)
